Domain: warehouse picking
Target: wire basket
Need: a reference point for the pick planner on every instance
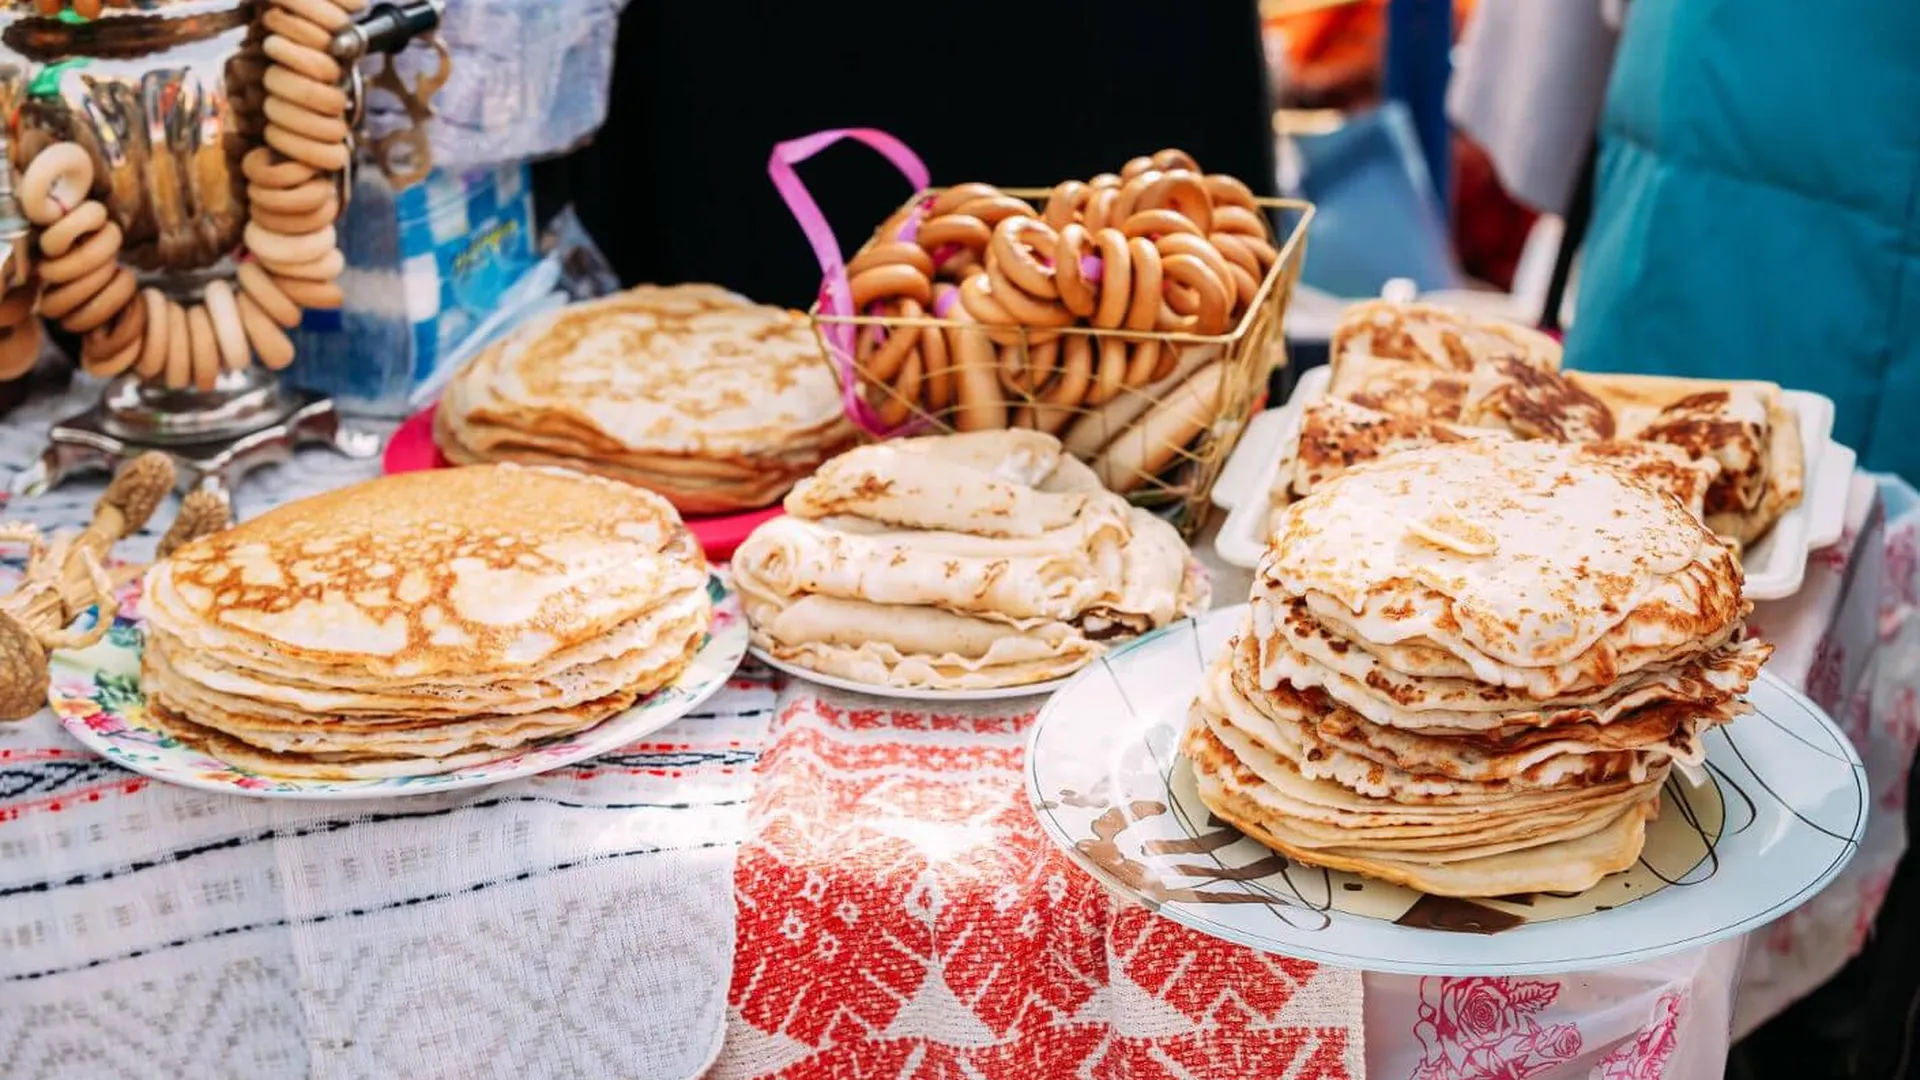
(1160, 436)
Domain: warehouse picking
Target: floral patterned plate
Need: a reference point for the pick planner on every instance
(96, 694)
(1776, 813)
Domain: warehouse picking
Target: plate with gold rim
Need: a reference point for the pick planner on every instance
(1773, 817)
(96, 694)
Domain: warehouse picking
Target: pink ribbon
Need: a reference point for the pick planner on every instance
(836, 295)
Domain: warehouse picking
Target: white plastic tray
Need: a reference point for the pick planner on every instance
(1775, 566)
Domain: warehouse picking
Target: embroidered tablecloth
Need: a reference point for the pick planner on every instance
(575, 924)
(898, 911)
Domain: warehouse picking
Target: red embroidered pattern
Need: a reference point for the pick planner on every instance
(901, 915)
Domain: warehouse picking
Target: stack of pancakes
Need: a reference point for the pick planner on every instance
(422, 623)
(1467, 669)
(713, 401)
(973, 561)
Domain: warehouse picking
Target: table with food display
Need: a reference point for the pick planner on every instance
(968, 677)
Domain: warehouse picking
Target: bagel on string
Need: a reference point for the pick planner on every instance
(291, 186)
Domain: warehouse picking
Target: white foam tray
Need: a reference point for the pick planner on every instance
(1775, 566)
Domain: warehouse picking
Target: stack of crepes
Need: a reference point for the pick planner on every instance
(1468, 669)
(422, 623)
(973, 561)
(713, 401)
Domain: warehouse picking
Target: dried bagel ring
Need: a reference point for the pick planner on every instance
(56, 182)
(1130, 193)
(958, 195)
(1116, 279)
(269, 342)
(1105, 180)
(264, 167)
(297, 224)
(1186, 244)
(891, 252)
(1246, 287)
(898, 401)
(294, 28)
(127, 327)
(1110, 375)
(1027, 310)
(982, 301)
(111, 365)
(1236, 253)
(959, 230)
(257, 283)
(1098, 213)
(884, 350)
(1226, 190)
(1203, 300)
(313, 295)
(179, 350)
(1181, 192)
(281, 248)
(223, 310)
(1019, 244)
(1158, 223)
(978, 403)
(888, 282)
(302, 121)
(1023, 371)
(58, 303)
(327, 156)
(304, 59)
(98, 250)
(1262, 253)
(153, 342)
(310, 94)
(299, 199)
(204, 348)
(1064, 397)
(328, 266)
(936, 356)
(100, 308)
(1174, 158)
(1143, 310)
(1240, 221)
(1136, 166)
(1080, 295)
(994, 209)
(327, 16)
(60, 236)
(1064, 202)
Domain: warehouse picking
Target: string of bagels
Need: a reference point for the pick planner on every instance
(290, 258)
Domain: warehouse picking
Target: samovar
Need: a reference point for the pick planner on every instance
(219, 138)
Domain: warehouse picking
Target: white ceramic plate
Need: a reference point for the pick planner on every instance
(1775, 566)
(899, 693)
(96, 694)
(1776, 814)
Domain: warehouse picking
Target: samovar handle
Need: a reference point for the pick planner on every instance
(386, 28)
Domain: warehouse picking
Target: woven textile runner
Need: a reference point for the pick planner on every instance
(901, 915)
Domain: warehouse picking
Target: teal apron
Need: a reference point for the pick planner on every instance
(1757, 208)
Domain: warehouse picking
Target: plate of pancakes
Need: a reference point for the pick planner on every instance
(982, 565)
(414, 633)
(1491, 708)
(716, 403)
(1754, 461)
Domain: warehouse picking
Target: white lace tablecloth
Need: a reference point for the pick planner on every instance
(582, 923)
